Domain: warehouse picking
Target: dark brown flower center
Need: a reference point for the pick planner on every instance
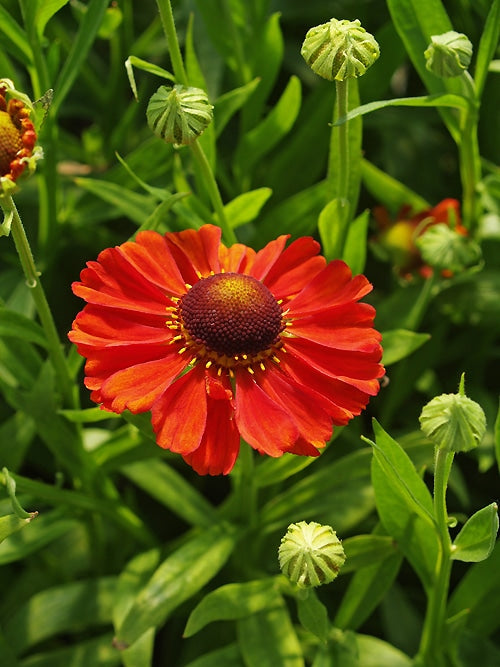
(231, 314)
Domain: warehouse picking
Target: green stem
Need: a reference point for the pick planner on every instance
(433, 639)
(167, 19)
(340, 135)
(33, 281)
(470, 161)
(213, 190)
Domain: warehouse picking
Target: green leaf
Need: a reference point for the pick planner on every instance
(338, 494)
(444, 100)
(246, 207)
(229, 656)
(374, 652)
(60, 610)
(477, 537)
(478, 592)
(368, 587)
(332, 222)
(496, 435)
(15, 35)
(271, 471)
(47, 528)
(404, 504)
(400, 343)
(141, 652)
(261, 139)
(231, 602)
(366, 550)
(162, 482)
(131, 204)
(132, 579)
(266, 61)
(88, 415)
(89, 27)
(45, 11)
(229, 103)
(487, 46)
(313, 615)
(354, 253)
(177, 579)
(389, 191)
(11, 524)
(98, 652)
(268, 638)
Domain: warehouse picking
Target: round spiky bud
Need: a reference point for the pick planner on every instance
(179, 114)
(453, 422)
(447, 249)
(449, 54)
(310, 554)
(339, 50)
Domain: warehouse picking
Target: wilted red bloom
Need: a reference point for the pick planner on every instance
(17, 136)
(225, 342)
(397, 237)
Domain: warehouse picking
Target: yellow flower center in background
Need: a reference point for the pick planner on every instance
(10, 142)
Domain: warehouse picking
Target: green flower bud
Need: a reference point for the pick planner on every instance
(310, 554)
(179, 114)
(448, 54)
(453, 422)
(339, 50)
(444, 248)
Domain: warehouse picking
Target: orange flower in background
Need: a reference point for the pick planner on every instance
(17, 136)
(396, 238)
(221, 342)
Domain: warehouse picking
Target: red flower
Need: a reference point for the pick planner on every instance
(397, 237)
(17, 135)
(225, 342)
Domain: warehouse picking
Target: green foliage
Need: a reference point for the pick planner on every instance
(124, 555)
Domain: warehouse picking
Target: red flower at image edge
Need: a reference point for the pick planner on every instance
(397, 237)
(225, 342)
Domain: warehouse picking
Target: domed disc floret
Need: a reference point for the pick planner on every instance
(232, 314)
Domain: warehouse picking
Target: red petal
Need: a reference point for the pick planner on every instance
(307, 409)
(265, 425)
(220, 443)
(337, 363)
(343, 328)
(113, 282)
(238, 258)
(103, 327)
(137, 387)
(345, 400)
(265, 258)
(150, 256)
(180, 415)
(331, 287)
(295, 268)
(196, 252)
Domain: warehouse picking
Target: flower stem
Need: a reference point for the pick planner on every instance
(33, 281)
(340, 134)
(213, 191)
(433, 641)
(470, 163)
(167, 19)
